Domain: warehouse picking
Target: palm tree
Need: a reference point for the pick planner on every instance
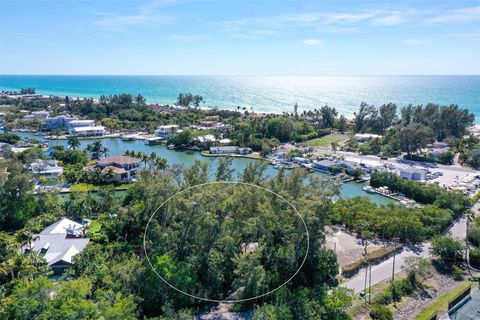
(96, 149)
(160, 163)
(73, 142)
(105, 152)
(151, 159)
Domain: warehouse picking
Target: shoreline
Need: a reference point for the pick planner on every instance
(268, 105)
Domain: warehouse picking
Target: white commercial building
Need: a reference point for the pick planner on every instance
(413, 174)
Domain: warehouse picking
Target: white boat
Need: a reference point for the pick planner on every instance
(128, 137)
(368, 189)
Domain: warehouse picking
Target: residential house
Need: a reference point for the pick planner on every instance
(46, 168)
(211, 125)
(166, 131)
(122, 168)
(58, 244)
(37, 115)
(230, 150)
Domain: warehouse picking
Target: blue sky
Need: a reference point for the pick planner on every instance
(170, 37)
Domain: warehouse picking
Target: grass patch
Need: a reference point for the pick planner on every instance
(86, 187)
(326, 141)
(440, 305)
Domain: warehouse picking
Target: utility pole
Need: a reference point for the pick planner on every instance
(365, 286)
(393, 269)
(370, 286)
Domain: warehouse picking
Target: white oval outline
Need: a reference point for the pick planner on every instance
(227, 301)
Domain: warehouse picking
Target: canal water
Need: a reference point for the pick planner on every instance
(116, 146)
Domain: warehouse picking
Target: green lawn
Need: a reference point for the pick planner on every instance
(440, 305)
(326, 141)
(85, 187)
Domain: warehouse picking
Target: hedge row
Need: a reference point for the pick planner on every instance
(373, 257)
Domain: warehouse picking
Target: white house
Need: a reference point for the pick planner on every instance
(46, 168)
(58, 244)
(413, 174)
(166, 131)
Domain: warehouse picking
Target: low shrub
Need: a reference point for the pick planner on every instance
(380, 312)
(457, 274)
(373, 257)
(474, 257)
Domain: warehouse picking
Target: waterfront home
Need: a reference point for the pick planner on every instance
(362, 137)
(413, 174)
(121, 168)
(37, 115)
(58, 122)
(58, 244)
(46, 168)
(85, 128)
(230, 150)
(325, 165)
(166, 131)
(88, 131)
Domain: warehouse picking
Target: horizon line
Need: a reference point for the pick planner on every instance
(237, 75)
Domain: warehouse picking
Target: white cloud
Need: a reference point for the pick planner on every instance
(416, 42)
(457, 16)
(390, 19)
(146, 13)
(313, 42)
(188, 37)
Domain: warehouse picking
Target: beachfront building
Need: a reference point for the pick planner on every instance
(413, 174)
(58, 122)
(58, 244)
(37, 115)
(166, 131)
(230, 150)
(46, 168)
(121, 168)
(325, 165)
(363, 137)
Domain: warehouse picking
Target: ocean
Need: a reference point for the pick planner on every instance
(275, 94)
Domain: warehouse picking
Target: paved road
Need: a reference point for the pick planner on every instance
(383, 270)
